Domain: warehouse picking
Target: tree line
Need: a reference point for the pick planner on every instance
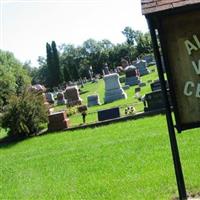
(69, 63)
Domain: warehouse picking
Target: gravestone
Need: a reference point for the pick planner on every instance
(107, 114)
(154, 101)
(157, 86)
(132, 76)
(142, 67)
(149, 58)
(49, 97)
(72, 96)
(113, 89)
(58, 121)
(60, 98)
(142, 84)
(93, 100)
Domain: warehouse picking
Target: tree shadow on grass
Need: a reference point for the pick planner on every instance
(10, 141)
(83, 92)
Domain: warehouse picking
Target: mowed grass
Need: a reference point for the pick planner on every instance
(127, 160)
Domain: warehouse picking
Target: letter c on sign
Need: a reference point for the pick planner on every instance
(187, 90)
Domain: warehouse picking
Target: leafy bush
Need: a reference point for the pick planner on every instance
(13, 78)
(71, 110)
(24, 114)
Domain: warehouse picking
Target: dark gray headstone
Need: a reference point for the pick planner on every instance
(142, 84)
(155, 85)
(154, 101)
(107, 114)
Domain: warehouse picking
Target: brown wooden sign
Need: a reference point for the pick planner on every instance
(180, 35)
(177, 23)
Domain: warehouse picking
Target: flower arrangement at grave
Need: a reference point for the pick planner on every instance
(130, 110)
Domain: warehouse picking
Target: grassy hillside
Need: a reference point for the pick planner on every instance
(129, 160)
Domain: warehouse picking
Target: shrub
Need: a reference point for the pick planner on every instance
(71, 110)
(25, 114)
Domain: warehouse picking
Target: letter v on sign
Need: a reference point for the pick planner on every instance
(196, 67)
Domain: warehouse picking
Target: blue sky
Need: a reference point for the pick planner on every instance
(26, 25)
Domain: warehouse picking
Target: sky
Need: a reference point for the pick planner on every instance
(26, 25)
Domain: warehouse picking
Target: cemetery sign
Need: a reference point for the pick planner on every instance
(179, 32)
(175, 32)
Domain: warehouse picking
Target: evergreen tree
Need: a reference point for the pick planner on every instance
(54, 72)
(66, 74)
(58, 75)
(50, 70)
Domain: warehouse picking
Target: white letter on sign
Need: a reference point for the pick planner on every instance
(186, 88)
(196, 67)
(196, 40)
(190, 46)
(198, 90)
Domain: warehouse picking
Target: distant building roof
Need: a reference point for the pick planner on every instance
(152, 6)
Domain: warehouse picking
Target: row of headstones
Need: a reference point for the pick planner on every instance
(113, 91)
(59, 121)
(132, 77)
(69, 96)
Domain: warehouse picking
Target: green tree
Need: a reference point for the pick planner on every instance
(50, 71)
(56, 64)
(54, 73)
(41, 75)
(129, 33)
(13, 78)
(70, 59)
(24, 114)
(139, 43)
(144, 44)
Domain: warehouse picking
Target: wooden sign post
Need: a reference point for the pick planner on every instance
(175, 32)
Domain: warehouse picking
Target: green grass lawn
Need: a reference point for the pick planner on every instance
(127, 160)
(98, 88)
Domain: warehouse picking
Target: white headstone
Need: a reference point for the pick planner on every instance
(142, 67)
(113, 89)
(93, 100)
